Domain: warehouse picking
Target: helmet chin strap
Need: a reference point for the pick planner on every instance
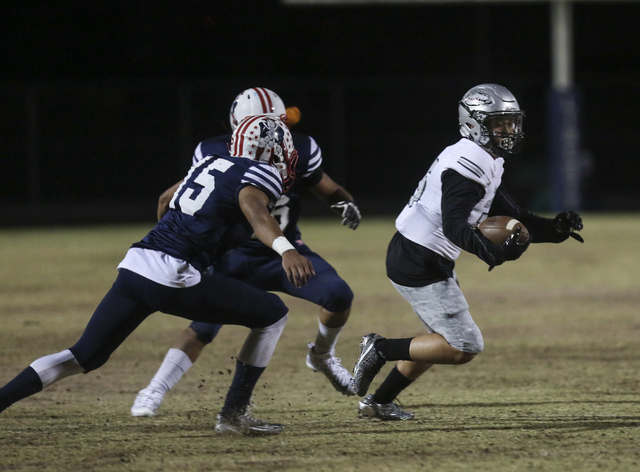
(499, 152)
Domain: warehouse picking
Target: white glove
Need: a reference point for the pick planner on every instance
(350, 213)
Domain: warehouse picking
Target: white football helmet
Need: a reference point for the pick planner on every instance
(482, 103)
(265, 138)
(256, 101)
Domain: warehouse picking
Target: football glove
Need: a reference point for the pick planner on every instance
(350, 213)
(567, 223)
(511, 249)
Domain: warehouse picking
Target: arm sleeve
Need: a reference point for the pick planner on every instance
(542, 230)
(459, 196)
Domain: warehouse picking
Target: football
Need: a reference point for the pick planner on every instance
(497, 229)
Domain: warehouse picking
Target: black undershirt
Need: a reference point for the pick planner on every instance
(412, 265)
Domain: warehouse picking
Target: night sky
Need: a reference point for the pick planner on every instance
(434, 53)
(133, 38)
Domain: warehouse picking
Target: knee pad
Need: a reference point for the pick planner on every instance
(56, 367)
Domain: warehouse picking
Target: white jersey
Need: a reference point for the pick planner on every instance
(421, 219)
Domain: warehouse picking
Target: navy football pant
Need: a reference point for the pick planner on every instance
(261, 268)
(216, 299)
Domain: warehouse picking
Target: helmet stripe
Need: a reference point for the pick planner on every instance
(270, 102)
(238, 144)
(263, 95)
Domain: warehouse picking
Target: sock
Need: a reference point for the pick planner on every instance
(391, 387)
(326, 339)
(259, 345)
(394, 349)
(25, 384)
(173, 367)
(239, 395)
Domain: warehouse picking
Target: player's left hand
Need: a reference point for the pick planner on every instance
(567, 223)
(350, 213)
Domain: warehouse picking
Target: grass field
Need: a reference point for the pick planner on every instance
(556, 389)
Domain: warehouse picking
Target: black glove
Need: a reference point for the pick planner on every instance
(350, 213)
(567, 223)
(511, 249)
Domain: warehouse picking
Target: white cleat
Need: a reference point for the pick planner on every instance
(332, 369)
(147, 402)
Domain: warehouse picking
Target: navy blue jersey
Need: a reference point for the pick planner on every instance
(204, 220)
(308, 173)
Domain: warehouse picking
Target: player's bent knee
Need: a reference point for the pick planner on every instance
(91, 363)
(339, 298)
(467, 340)
(205, 332)
(89, 356)
(272, 312)
(466, 357)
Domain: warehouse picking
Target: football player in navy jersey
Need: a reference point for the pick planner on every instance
(218, 206)
(255, 264)
(462, 187)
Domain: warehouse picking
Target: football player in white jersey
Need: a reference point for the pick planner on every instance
(462, 187)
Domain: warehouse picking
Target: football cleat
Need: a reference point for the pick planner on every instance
(384, 411)
(332, 369)
(244, 423)
(368, 364)
(147, 402)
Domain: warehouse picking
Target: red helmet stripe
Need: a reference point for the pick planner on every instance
(268, 95)
(238, 144)
(264, 97)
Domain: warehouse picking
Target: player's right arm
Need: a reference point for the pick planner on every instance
(165, 199)
(254, 204)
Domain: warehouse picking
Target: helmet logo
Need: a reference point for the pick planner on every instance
(234, 122)
(269, 137)
(477, 98)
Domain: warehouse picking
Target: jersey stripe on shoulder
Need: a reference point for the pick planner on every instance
(471, 166)
(315, 159)
(197, 155)
(265, 177)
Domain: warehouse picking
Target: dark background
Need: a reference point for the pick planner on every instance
(103, 102)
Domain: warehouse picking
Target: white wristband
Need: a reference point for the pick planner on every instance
(281, 245)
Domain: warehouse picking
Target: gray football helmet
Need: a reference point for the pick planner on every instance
(479, 106)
